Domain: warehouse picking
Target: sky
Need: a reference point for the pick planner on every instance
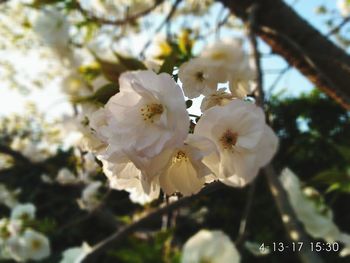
(54, 103)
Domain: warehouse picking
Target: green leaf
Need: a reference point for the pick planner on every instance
(102, 95)
(168, 64)
(111, 70)
(130, 63)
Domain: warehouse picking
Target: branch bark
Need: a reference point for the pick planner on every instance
(314, 55)
(128, 229)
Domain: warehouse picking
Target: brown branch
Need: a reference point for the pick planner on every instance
(127, 230)
(289, 35)
(17, 156)
(294, 230)
(128, 19)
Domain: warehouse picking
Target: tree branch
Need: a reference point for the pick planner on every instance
(127, 230)
(17, 156)
(294, 230)
(289, 35)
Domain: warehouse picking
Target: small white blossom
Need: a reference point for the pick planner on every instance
(90, 199)
(7, 197)
(65, 176)
(230, 59)
(185, 171)
(219, 98)
(200, 76)
(75, 254)
(23, 212)
(31, 245)
(210, 246)
(126, 176)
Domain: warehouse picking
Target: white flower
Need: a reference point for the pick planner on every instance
(126, 176)
(210, 246)
(147, 116)
(75, 254)
(244, 142)
(51, 25)
(38, 244)
(89, 197)
(344, 7)
(7, 197)
(185, 171)
(316, 217)
(65, 176)
(230, 59)
(31, 245)
(200, 76)
(219, 98)
(23, 212)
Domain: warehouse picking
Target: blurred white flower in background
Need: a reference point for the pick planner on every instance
(23, 212)
(75, 254)
(90, 198)
(20, 242)
(8, 197)
(126, 176)
(53, 28)
(65, 176)
(210, 246)
(344, 7)
(312, 211)
(31, 245)
(219, 63)
(200, 76)
(219, 98)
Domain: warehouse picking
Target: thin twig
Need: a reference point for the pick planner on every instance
(244, 221)
(161, 25)
(259, 93)
(278, 78)
(338, 27)
(125, 231)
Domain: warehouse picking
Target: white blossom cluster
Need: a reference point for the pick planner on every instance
(20, 242)
(143, 131)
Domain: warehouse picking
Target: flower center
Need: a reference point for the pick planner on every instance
(36, 244)
(218, 55)
(200, 76)
(179, 157)
(149, 112)
(228, 139)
